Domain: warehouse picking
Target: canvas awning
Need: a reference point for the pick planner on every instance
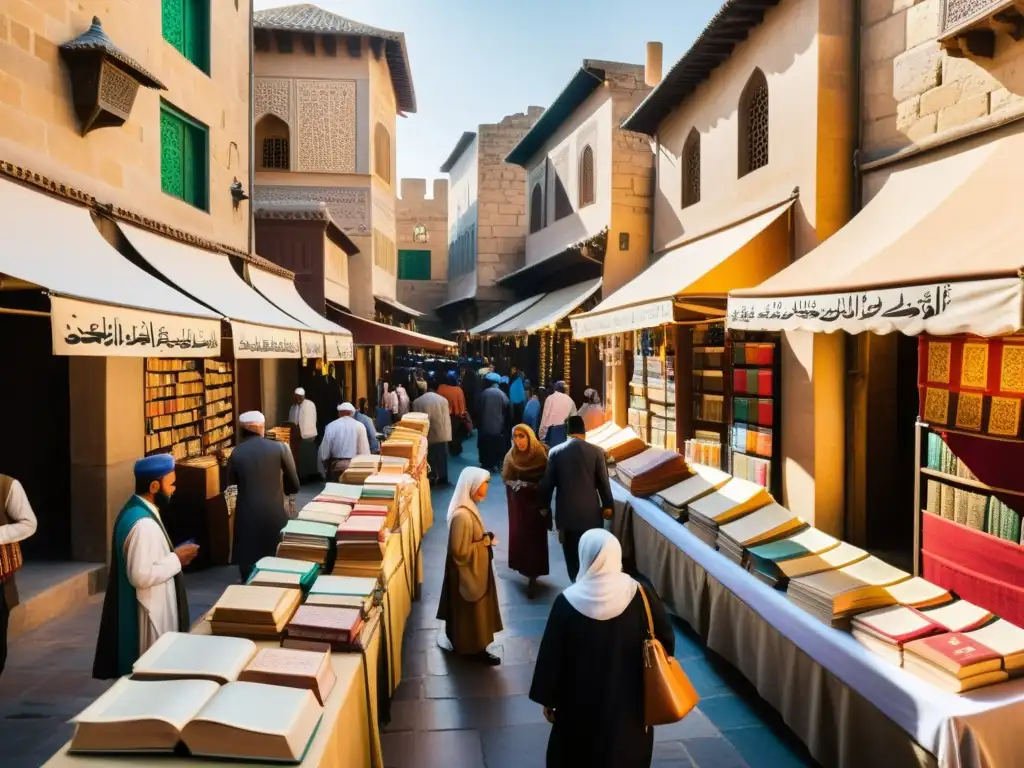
(551, 309)
(706, 267)
(335, 342)
(100, 303)
(258, 328)
(368, 333)
(938, 250)
(394, 304)
(482, 329)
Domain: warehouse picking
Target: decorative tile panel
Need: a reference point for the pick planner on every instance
(326, 112)
(349, 207)
(273, 96)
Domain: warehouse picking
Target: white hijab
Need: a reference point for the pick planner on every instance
(602, 591)
(469, 483)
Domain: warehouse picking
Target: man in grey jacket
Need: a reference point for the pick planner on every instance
(264, 472)
(577, 474)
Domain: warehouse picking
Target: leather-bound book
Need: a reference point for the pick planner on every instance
(294, 669)
(652, 471)
(327, 624)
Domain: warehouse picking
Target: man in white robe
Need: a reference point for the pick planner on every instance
(344, 439)
(145, 590)
(303, 415)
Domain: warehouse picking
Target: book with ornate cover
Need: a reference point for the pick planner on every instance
(652, 471)
(327, 623)
(956, 654)
(239, 720)
(180, 655)
(294, 669)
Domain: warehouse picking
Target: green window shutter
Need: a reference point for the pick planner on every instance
(184, 157)
(174, 23)
(186, 26)
(413, 265)
(172, 154)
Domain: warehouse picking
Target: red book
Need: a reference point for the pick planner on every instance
(764, 383)
(370, 509)
(765, 354)
(366, 527)
(956, 653)
(739, 381)
(765, 412)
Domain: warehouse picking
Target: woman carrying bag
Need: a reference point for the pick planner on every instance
(593, 662)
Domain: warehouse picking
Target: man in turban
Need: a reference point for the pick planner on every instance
(145, 589)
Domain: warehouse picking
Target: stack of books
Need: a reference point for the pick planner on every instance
(360, 545)
(704, 480)
(830, 560)
(255, 612)
(284, 572)
(605, 430)
(344, 592)
(836, 596)
(652, 471)
(762, 526)
(308, 670)
(954, 662)
(405, 444)
(730, 502)
(620, 444)
(918, 593)
(339, 493)
(959, 616)
(356, 474)
(764, 560)
(337, 626)
(419, 422)
(389, 464)
(886, 630)
(325, 512)
(1007, 640)
(307, 540)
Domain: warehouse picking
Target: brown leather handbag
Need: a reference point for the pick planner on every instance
(668, 693)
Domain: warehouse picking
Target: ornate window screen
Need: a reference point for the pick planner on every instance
(754, 124)
(382, 152)
(184, 157)
(969, 27)
(186, 26)
(586, 182)
(536, 208)
(691, 169)
(275, 154)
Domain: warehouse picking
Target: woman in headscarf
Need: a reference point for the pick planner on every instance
(589, 672)
(403, 399)
(527, 528)
(469, 595)
(592, 411)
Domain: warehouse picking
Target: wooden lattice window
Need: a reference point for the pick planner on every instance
(184, 157)
(382, 152)
(536, 208)
(275, 154)
(754, 124)
(691, 169)
(413, 265)
(186, 26)
(586, 181)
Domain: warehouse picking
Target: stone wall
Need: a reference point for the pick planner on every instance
(915, 93)
(414, 209)
(501, 217)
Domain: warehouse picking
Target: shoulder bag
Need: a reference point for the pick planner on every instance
(10, 554)
(668, 693)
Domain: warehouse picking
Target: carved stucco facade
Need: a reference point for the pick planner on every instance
(331, 107)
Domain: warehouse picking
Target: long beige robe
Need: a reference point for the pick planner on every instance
(469, 597)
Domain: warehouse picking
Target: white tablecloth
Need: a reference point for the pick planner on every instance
(981, 729)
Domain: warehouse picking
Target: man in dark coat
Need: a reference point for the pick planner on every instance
(495, 414)
(264, 472)
(577, 474)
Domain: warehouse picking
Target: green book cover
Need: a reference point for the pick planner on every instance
(933, 451)
(309, 528)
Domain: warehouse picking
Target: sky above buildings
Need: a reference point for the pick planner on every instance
(474, 61)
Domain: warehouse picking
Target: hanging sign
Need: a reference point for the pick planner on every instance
(87, 329)
(339, 347)
(621, 320)
(262, 341)
(312, 345)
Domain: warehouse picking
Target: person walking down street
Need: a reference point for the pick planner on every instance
(344, 439)
(470, 385)
(557, 408)
(403, 400)
(145, 595)
(452, 392)
(592, 411)
(264, 472)
(17, 523)
(494, 418)
(534, 407)
(440, 432)
(469, 594)
(370, 427)
(303, 415)
(516, 395)
(528, 527)
(589, 671)
(577, 476)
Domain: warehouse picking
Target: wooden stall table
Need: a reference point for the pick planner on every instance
(348, 737)
(397, 605)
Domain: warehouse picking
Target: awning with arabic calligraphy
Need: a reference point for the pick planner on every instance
(938, 250)
(744, 253)
(101, 304)
(258, 328)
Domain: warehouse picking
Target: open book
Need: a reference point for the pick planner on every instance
(179, 655)
(246, 721)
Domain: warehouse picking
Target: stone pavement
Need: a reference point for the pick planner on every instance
(450, 713)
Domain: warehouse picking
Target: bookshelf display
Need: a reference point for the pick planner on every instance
(189, 406)
(709, 395)
(652, 390)
(754, 443)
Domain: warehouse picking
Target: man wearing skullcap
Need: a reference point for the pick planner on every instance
(344, 439)
(145, 590)
(303, 415)
(264, 472)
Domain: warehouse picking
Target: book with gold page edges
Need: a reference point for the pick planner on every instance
(829, 560)
(953, 662)
(733, 500)
(178, 655)
(835, 595)
(294, 669)
(918, 593)
(959, 616)
(703, 481)
(652, 471)
(1004, 638)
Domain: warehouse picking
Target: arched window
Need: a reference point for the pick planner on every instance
(382, 152)
(586, 178)
(272, 139)
(536, 208)
(691, 169)
(753, 134)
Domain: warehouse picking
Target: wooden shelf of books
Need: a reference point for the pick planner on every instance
(219, 420)
(652, 390)
(755, 413)
(189, 406)
(709, 395)
(968, 535)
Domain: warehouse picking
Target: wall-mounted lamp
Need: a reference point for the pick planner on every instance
(237, 193)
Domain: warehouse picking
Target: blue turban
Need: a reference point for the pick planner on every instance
(453, 378)
(154, 467)
(493, 378)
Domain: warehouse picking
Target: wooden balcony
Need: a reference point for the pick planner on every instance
(969, 27)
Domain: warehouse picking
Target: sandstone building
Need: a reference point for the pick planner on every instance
(422, 227)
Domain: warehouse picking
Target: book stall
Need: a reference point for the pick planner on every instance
(298, 665)
(864, 661)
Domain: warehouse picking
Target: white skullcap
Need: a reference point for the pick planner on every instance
(252, 417)
(300, 392)
(347, 407)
